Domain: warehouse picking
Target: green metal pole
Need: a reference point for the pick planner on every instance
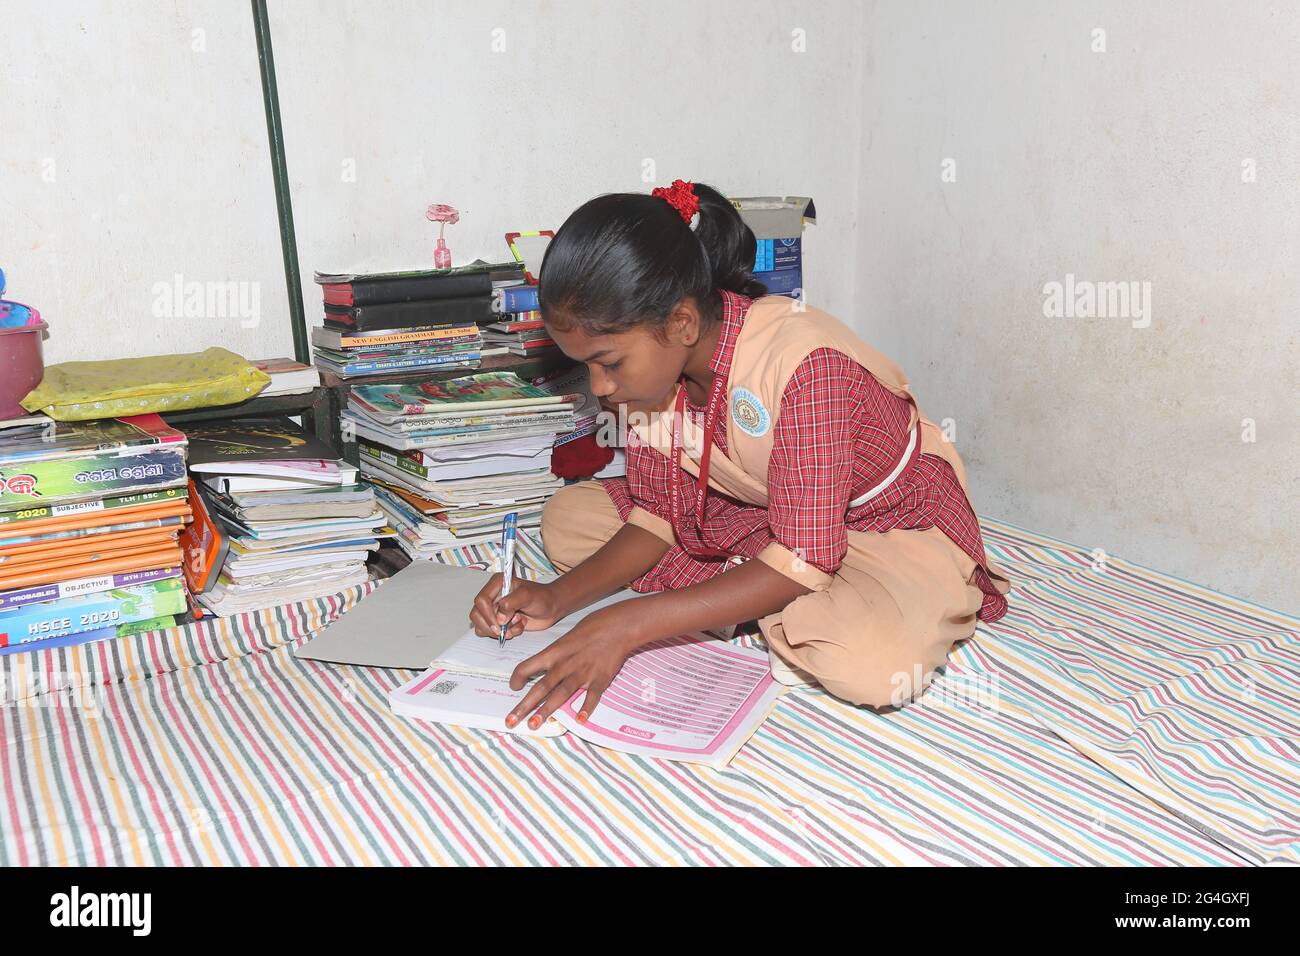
(280, 169)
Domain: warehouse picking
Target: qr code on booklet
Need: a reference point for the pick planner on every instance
(444, 687)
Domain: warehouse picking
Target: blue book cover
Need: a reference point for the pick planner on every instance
(88, 637)
(519, 298)
(468, 359)
(89, 612)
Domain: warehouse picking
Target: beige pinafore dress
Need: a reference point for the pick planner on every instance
(874, 631)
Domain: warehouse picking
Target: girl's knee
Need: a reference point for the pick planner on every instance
(865, 644)
(576, 521)
(869, 662)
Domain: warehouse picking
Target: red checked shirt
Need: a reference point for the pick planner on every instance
(839, 433)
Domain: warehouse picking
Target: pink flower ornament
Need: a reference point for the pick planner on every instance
(442, 214)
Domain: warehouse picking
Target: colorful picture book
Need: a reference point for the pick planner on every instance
(457, 396)
(83, 461)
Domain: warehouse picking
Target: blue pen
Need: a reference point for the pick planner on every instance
(507, 564)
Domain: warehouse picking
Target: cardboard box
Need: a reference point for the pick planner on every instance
(778, 223)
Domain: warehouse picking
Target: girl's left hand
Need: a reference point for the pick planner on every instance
(590, 656)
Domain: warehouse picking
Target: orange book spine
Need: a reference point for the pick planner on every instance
(79, 560)
(396, 338)
(95, 519)
(95, 544)
(143, 561)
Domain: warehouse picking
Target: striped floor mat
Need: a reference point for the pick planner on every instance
(1115, 716)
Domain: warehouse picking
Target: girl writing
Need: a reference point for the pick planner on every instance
(778, 469)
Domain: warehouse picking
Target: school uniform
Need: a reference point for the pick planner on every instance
(824, 469)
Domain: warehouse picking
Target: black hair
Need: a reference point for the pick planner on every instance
(625, 259)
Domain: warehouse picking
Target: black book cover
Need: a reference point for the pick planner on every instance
(253, 439)
(419, 288)
(411, 285)
(405, 315)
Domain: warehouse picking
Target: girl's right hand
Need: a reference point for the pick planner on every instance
(534, 607)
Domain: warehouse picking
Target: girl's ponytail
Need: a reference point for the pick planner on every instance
(728, 244)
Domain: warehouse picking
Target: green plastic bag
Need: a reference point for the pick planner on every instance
(77, 391)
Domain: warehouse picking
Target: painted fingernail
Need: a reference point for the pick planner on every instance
(511, 720)
(534, 723)
(582, 716)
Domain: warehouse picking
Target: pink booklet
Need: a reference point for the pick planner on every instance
(691, 698)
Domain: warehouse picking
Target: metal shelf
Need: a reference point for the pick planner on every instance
(300, 404)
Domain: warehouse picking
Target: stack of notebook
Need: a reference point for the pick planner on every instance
(450, 459)
(277, 517)
(407, 321)
(89, 517)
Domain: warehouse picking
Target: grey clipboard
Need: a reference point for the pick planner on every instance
(406, 622)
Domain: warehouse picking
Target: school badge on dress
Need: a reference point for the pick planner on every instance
(748, 413)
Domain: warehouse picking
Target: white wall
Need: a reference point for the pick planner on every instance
(134, 150)
(136, 142)
(1122, 165)
(516, 113)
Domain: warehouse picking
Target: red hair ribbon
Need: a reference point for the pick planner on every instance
(681, 196)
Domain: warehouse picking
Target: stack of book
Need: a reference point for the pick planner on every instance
(353, 354)
(379, 323)
(450, 459)
(521, 336)
(519, 328)
(89, 517)
(575, 380)
(277, 517)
